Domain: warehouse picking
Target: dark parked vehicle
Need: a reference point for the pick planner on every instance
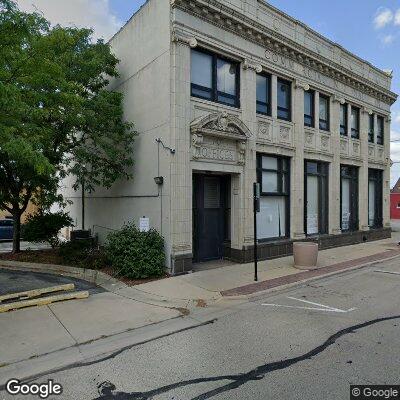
(6, 229)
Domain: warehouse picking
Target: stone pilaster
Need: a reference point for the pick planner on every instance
(334, 168)
(249, 176)
(386, 174)
(274, 96)
(363, 172)
(181, 174)
(297, 166)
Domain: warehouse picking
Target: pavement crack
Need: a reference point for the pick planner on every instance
(58, 319)
(107, 390)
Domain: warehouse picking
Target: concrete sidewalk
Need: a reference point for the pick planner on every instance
(208, 284)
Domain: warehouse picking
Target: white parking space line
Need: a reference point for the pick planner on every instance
(387, 272)
(320, 307)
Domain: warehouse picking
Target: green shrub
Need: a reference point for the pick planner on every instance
(81, 253)
(45, 227)
(135, 254)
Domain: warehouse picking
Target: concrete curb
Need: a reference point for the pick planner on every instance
(90, 275)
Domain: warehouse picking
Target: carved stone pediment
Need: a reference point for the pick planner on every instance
(219, 137)
(221, 124)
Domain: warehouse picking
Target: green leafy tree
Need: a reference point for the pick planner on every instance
(45, 227)
(56, 115)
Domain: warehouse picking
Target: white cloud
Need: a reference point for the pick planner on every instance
(95, 14)
(397, 17)
(388, 39)
(383, 17)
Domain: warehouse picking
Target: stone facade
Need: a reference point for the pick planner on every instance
(201, 136)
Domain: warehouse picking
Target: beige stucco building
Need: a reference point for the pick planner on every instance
(225, 93)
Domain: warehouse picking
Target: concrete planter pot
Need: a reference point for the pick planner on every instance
(305, 255)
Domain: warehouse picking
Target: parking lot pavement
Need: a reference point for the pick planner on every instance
(6, 246)
(20, 281)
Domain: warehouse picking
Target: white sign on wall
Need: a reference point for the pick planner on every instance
(144, 224)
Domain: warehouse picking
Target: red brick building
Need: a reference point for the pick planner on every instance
(395, 201)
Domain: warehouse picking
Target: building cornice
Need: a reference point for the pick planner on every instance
(218, 14)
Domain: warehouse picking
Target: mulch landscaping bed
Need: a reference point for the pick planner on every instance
(51, 256)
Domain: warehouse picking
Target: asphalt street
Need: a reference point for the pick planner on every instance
(308, 342)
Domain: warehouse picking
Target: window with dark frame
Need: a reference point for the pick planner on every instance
(214, 78)
(324, 112)
(371, 128)
(273, 175)
(263, 94)
(316, 197)
(355, 122)
(343, 119)
(348, 198)
(284, 100)
(380, 131)
(309, 108)
(375, 204)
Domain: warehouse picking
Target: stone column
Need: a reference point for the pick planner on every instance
(274, 96)
(297, 166)
(363, 172)
(349, 120)
(249, 176)
(386, 173)
(316, 110)
(375, 126)
(334, 168)
(181, 173)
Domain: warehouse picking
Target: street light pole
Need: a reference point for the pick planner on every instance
(256, 209)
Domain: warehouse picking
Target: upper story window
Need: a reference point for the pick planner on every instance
(323, 112)
(214, 78)
(355, 122)
(309, 108)
(371, 128)
(284, 100)
(380, 130)
(343, 119)
(264, 94)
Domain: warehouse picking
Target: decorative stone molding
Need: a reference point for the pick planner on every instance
(325, 142)
(197, 141)
(367, 110)
(264, 131)
(248, 64)
(220, 137)
(270, 37)
(284, 133)
(343, 146)
(339, 99)
(220, 124)
(302, 85)
(241, 147)
(181, 37)
(309, 139)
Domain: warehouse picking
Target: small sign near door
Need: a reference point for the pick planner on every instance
(144, 224)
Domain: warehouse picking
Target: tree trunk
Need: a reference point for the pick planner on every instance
(17, 233)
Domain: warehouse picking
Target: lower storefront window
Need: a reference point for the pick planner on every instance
(374, 198)
(316, 197)
(273, 176)
(349, 198)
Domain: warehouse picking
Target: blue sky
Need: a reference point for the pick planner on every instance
(368, 28)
